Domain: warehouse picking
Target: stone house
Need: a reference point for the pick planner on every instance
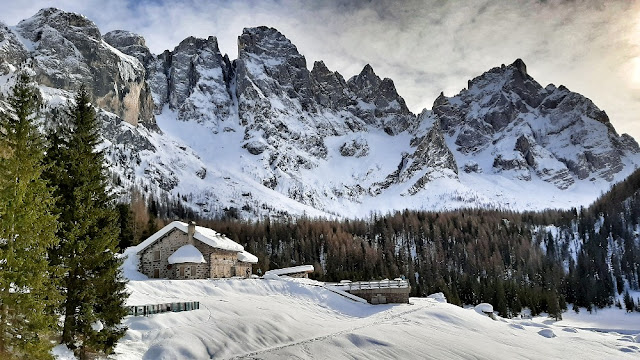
(186, 251)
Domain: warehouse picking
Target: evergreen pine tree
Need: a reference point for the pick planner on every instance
(27, 229)
(500, 300)
(628, 302)
(553, 305)
(125, 216)
(94, 290)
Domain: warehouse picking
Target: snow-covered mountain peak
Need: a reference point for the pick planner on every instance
(264, 135)
(266, 42)
(193, 44)
(521, 66)
(366, 79)
(525, 131)
(512, 81)
(69, 24)
(194, 81)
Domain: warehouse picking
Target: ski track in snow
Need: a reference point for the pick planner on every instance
(368, 324)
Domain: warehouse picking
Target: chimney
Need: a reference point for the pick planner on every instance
(190, 231)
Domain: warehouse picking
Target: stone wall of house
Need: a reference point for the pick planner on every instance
(242, 269)
(190, 271)
(220, 263)
(150, 265)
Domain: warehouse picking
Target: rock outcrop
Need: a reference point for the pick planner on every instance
(130, 44)
(12, 52)
(527, 130)
(67, 50)
(431, 159)
(194, 80)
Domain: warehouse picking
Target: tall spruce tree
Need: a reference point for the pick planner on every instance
(27, 230)
(628, 302)
(93, 288)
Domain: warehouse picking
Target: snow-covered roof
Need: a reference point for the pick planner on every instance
(291, 270)
(247, 257)
(186, 254)
(206, 235)
(484, 308)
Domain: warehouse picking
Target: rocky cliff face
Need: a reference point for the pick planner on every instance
(529, 131)
(288, 110)
(12, 52)
(67, 50)
(130, 44)
(194, 80)
(378, 102)
(264, 135)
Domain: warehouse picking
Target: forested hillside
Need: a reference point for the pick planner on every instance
(471, 256)
(540, 260)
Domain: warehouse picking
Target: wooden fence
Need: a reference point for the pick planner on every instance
(146, 310)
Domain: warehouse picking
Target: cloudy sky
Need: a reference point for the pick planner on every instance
(429, 46)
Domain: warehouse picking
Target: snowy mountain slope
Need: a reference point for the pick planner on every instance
(296, 318)
(299, 126)
(506, 123)
(67, 50)
(264, 135)
(286, 115)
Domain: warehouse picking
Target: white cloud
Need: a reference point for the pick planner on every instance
(426, 47)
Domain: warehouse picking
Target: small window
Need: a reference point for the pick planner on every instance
(156, 273)
(156, 255)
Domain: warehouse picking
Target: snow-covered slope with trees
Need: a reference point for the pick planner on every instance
(264, 135)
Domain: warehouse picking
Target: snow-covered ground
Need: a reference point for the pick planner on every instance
(299, 318)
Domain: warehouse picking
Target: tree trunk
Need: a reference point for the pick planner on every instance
(4, 313)
(69, 322)
(68, 330)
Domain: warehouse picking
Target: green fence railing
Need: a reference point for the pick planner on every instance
(146, 310)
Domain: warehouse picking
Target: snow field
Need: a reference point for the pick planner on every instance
(298, 318)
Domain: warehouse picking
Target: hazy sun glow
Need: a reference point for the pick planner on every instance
(633, 67)
(634, 72)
